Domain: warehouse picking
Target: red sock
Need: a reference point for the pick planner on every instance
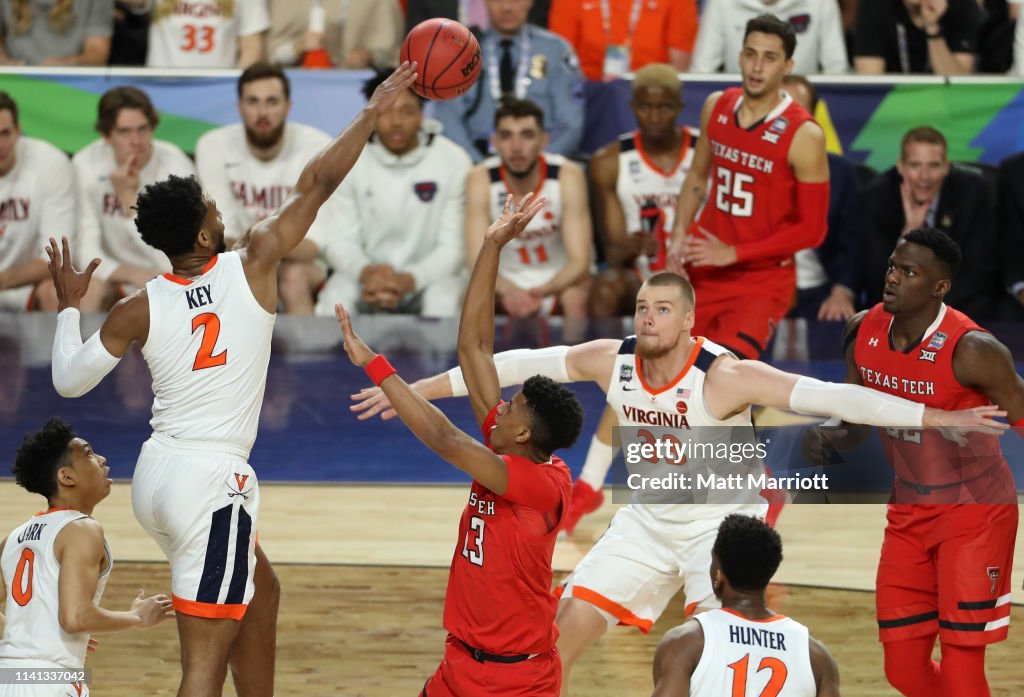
(910, 669)
(963, 671)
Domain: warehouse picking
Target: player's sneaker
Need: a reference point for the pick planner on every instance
(584, 500)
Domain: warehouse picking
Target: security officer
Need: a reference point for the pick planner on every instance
(523, 61)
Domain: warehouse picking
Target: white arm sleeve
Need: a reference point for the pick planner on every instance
(515, 366)
(78, 367)
(855, 404)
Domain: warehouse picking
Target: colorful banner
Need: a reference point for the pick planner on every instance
(981, 117)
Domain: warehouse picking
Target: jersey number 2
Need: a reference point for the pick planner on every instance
(775, 683)
(474, 549)
(21, 589)
(211, 330)
(733, 194)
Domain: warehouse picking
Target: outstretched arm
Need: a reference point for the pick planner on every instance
(476, 328)
(77, 367)
(424, 419)
(733, 385)
(277, 235)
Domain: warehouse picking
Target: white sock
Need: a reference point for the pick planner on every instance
(597, 464)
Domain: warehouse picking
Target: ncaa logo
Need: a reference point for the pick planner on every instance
(625, 373)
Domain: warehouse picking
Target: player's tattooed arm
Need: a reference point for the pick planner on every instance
(676, 658)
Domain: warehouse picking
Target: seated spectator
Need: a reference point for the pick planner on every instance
(392, 232)
(353, 33)
(548, 266)
(916, 36)
(636, 181)
(632, 34)
(922, 189)
(1011, 233)
(249, 168)
(472, 13)
(820, 47)
(206, 33)
(525, 62)
(111, 172)
(37, 201)
(828, 277)
(65, 33)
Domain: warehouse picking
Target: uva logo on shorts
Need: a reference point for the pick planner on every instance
(239, 488)
(425, 190)
(993, 575)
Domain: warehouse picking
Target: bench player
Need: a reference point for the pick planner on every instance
(743, 648)
(548, 266)
(205, 331)
(499, 610)
(55, 566)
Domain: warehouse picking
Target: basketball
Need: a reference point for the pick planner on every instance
(448, 58)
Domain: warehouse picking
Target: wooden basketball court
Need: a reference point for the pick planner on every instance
(363, 571)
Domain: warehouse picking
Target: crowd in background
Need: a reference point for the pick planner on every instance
(401, 233)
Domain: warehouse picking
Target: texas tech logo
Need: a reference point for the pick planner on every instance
(237, 487)
(993, 576)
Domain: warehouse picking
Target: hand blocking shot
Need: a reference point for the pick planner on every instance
(499, 610)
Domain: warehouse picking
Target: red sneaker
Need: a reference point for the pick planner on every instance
(584, 500)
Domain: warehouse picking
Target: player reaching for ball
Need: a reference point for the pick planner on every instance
(205, 330)
(499, 610)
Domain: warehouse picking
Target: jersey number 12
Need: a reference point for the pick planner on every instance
(775, 683)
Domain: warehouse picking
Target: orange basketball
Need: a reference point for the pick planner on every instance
(448, 56)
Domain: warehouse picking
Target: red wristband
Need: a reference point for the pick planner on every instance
(378, 369)
(1019, 423)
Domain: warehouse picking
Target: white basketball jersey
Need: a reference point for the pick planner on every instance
(208, 351)
(533, 258)
(31, 574)
(750, 658)
(680, 406)
(648, 193)
(203, 33)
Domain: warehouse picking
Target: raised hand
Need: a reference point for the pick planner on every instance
(708, 250)
(358, 352)
(70, 284)
(514, 218)
(386, 94)
(152, 610)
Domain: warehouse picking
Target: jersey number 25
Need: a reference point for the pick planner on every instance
(733, 194)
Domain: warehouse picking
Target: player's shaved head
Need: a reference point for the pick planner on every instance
(665, 279)
(657, 75)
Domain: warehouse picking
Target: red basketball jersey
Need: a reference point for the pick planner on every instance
(499, 588)
(753, 187)
(924, 374)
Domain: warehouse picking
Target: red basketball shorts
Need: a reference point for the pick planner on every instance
(741, 310)
(945, 569)
(460, 675)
